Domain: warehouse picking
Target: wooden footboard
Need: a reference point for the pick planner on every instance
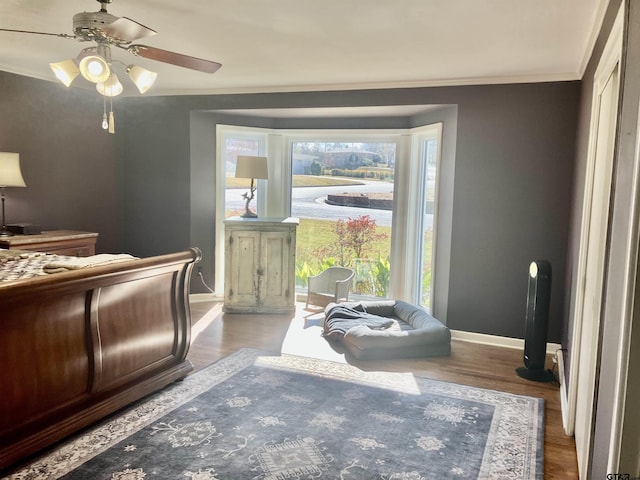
(77, 346)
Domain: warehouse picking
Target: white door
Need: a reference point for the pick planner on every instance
(593, 248)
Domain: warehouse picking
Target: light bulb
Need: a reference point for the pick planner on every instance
(94, 68)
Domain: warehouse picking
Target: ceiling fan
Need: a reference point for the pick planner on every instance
(108, 31)
(95, 63)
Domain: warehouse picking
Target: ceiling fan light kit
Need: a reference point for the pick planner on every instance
(95, 63)
(111, 87)
(94, 68)
(65, 71)
(142, 78)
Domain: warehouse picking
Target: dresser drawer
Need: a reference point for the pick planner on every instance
(62, 242)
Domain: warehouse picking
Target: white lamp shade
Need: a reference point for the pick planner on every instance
(252, 167)
(110, 87)
(141, 77)
(10, 174)
(65, 71)
(94, 68)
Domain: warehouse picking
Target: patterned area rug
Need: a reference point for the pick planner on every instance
(252, 416)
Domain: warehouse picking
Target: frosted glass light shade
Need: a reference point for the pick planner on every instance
(10, 173)
(141, 77)
(65, 71)
(94, 68)
(111, 87)
(252, 167)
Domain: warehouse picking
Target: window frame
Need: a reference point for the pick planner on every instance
(407, 224)
(223, 132)
(420, 137)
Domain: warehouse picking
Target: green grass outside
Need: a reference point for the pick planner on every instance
(315, 238)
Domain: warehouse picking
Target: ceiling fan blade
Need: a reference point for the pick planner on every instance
(62, 35)
(206, 66)
(127, 30)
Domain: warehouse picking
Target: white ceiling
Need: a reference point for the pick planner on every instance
(306, 45)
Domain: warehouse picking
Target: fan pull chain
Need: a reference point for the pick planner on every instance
(112, 122)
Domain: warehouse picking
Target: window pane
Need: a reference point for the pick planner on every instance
(236, 187)
(430, 159)
(343, 195)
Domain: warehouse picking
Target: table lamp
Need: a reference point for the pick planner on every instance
(10, 176)
(251, 167)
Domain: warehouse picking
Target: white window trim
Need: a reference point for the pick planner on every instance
(419, 138)
(222, 133)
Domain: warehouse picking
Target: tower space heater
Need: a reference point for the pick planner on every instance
(536, 323)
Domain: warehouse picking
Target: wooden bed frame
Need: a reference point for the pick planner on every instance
(79, 345)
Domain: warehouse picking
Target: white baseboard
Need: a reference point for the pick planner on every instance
(497, 341)
(204, 297)
(564, 398)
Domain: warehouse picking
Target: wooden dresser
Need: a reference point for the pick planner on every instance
(62, 242)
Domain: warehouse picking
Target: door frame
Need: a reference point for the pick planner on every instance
(582, 359)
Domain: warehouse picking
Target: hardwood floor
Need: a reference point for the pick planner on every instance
(216, 334)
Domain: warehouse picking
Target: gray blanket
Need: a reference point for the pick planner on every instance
(339, 319)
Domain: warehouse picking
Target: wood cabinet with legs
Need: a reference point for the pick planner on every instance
(260, 265)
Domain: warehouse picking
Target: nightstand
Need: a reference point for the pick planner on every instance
(62, 242)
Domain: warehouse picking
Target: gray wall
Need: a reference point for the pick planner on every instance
(203, 202)
(514, 162)
(67, 160)
(155, 176)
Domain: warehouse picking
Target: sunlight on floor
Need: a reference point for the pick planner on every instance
(404, 382)
(304, 332)
(205, 321)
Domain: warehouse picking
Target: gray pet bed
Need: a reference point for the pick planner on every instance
(386, 329)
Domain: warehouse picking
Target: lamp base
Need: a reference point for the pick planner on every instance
(248, 197)
(5, 233)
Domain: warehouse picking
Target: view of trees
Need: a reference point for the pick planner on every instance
(353, 236)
